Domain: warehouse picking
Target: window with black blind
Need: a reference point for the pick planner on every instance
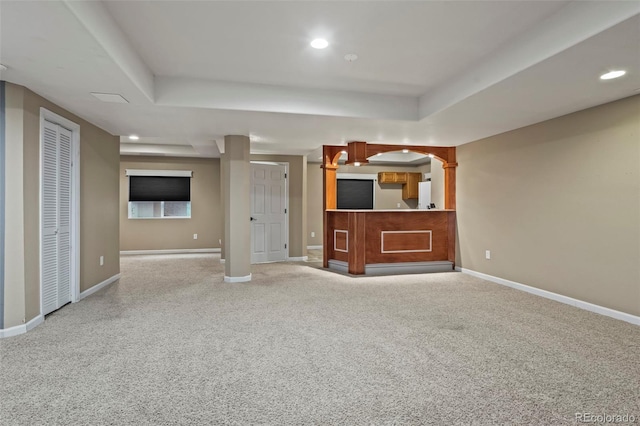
(159, 196)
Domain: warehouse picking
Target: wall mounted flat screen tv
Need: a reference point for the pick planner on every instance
(355, 194)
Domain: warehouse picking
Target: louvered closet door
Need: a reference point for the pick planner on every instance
(56, 217)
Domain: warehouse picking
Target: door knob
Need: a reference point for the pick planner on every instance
(252, 219)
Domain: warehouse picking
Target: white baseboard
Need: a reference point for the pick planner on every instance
(99, 286)
(35, 322)
(623, 316)
(13, 331)
(22, 328)
(314, 247)
(298, 259)
(170, 251)
(237, 279)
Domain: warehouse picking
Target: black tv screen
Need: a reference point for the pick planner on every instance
(355, 194)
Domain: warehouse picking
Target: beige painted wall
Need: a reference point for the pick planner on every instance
(164, 234)
(99, 165)
(314, 204)
(207, 221)
(558, 205)
(99, 158)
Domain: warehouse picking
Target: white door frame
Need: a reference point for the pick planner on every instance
(74, 286)
(286, 198)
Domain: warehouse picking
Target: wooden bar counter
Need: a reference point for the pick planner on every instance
(390, 241)
(377, 242)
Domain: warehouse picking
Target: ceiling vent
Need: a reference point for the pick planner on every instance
(110, 97)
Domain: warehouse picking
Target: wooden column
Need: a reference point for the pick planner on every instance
(329, 201)
(357, 242)
(330, 156)
(450, 179)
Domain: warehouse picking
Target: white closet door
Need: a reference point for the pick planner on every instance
(56, 217)
(64, 216)
(49, 218)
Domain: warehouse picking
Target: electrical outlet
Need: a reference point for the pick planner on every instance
(398, 205)
(195, 236)
(487, 254)
(220, 241)
(313, 234)
(101, 260)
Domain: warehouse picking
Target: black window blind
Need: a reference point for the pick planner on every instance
(159, 188)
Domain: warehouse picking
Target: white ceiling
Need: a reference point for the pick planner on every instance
(429, 73)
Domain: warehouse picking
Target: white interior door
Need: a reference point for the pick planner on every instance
(268, 213)
(56, 217)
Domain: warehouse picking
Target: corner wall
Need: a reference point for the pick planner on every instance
(558, 205)
(14, 226)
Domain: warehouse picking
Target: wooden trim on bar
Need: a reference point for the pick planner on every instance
(357, 242)
(342, 241)
(403, 241)
(451, 229)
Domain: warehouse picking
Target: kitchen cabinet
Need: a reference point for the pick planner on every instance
(408, 180)
(392, 177)
(410, 189)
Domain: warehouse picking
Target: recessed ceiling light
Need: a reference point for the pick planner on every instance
(110, 97)
(431, 155)
(350, 57)
(612, 74)
(134, 137)
(319, 43)
(357, 164)
(343, 152)
(405, 151)
(379, 153)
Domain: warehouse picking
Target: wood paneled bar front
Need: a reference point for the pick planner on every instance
(359, 241)
(362, 238)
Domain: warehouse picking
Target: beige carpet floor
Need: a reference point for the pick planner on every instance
(171, 343)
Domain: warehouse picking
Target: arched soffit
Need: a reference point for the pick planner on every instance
(438, 152)
(331, 155)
